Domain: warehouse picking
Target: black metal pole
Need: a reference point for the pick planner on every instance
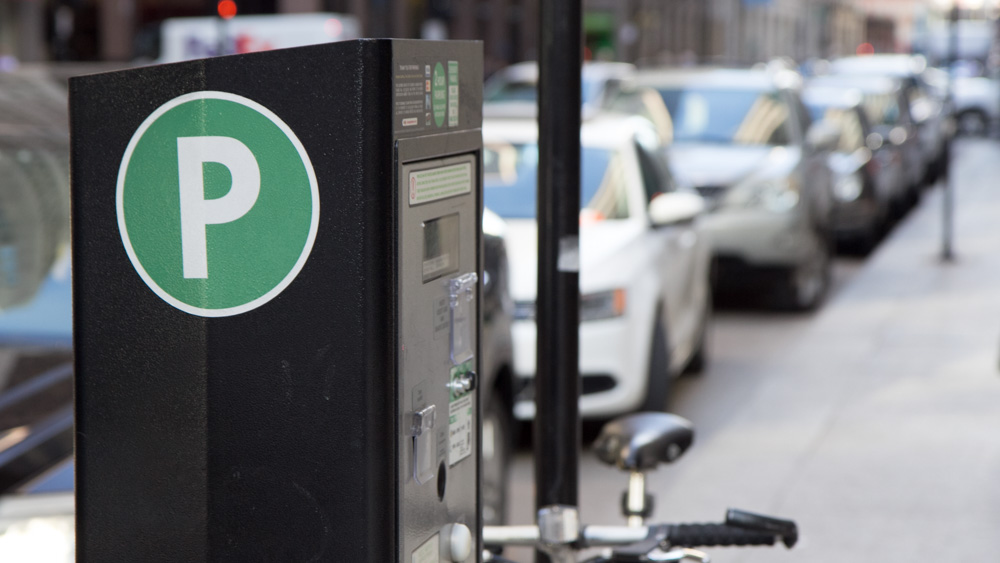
(557, 377)
(948, 195)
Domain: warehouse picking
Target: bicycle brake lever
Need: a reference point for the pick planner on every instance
(787, 530)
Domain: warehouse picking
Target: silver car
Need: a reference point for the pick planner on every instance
(925, 98)
(886, 106)
(744, 139)
(870, 180)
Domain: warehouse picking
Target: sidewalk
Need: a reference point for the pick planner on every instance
(889, 403)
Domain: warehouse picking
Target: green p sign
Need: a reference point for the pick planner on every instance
(218, 204)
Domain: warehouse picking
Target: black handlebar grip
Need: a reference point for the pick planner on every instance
(709, 535)
(787, 529)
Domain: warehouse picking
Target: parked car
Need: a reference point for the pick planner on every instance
(976, 100)
(513, 90)
(926, 100)
(744, 140)
(868, 173)
(887, 109)
(644, 263)
(498, 366)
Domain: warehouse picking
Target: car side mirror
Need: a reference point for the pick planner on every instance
(823, 135)
(673, 208)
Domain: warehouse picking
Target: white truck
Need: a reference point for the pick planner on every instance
(183, 39)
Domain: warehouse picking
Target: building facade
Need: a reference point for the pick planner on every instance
(675, 32)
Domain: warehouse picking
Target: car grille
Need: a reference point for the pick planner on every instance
(589, 384)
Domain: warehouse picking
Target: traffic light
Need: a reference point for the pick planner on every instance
(226, 9)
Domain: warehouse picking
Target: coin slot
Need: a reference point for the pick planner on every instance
(442, 478)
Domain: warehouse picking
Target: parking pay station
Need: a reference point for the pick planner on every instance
(276, 282)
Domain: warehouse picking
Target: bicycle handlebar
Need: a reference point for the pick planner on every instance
(634, 544)
(740, 529)
(714, 535)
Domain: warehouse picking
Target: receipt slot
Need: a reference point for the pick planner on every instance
(277, 285)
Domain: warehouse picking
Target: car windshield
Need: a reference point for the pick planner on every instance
(847, 122)
(511, 170)
(881, 109)
(879, 96)
(730, 116)
(527, 91)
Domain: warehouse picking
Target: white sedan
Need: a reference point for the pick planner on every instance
(644, 264)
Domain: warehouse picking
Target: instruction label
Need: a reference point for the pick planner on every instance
(440, 183)
(460, 429)
(460, 421)
(408, 95)
(425, 95)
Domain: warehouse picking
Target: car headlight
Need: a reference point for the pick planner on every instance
(603, 305)
(848, 187)
(593, 306)
(777, 195)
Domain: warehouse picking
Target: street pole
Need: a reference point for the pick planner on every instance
(557, 376)
(948, 197)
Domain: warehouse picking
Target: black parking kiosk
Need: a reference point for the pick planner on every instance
(277, 264)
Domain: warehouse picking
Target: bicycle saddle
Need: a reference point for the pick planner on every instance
(641, 441)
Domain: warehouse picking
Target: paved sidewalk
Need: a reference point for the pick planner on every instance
(879, 432)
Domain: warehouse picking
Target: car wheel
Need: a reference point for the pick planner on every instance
(497, 445)
(863, 242)
(971, 123)
(658, 378)
(805, 286)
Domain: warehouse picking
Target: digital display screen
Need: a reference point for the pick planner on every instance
(440, 247)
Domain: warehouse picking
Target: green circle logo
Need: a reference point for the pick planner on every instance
(439, 94)
(218, 204)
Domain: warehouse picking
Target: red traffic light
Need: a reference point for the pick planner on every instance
(226, 9)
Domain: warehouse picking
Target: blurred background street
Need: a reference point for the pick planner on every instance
(762, 232)
(647, 32)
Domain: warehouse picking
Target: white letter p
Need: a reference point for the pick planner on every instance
(196, 211)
